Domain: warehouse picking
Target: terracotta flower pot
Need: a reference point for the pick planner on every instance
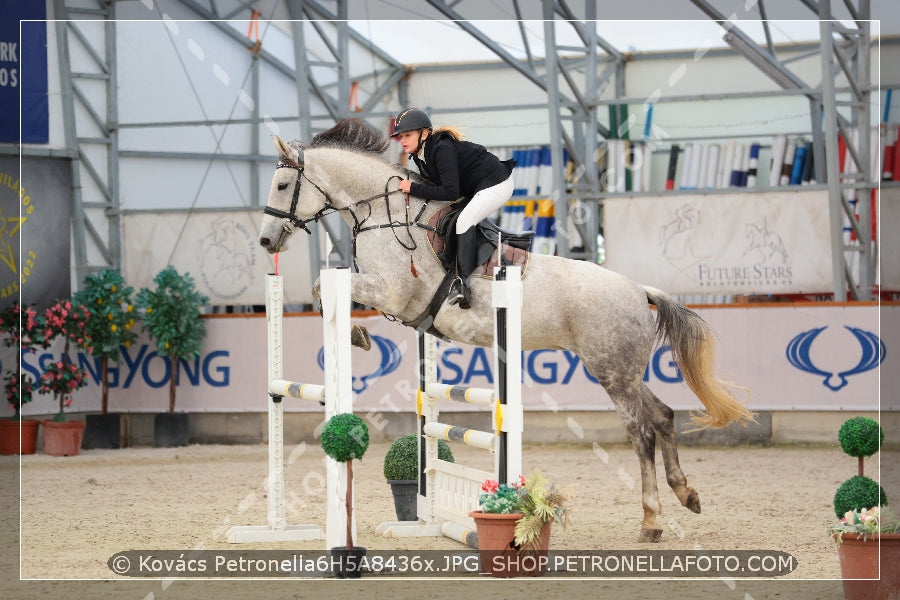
(10, 432)
(497, 551)
(63, 438)
(859, 561)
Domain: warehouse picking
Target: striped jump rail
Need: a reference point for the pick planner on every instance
(461, 435)
(458, 393)
(301, 391)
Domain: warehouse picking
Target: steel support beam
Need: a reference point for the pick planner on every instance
(849, 194)
(94, 248)
(304, 109)
(577, 202)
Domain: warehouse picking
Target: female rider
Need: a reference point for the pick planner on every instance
(455, 168)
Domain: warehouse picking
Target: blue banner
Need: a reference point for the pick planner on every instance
(23, 72)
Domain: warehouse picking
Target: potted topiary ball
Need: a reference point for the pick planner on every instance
(401, 470)
(345, 437)
(868, 533)
(860, 437)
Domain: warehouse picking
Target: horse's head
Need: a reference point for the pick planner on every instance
(293, 199)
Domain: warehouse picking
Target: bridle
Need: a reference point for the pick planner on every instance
(291, 219)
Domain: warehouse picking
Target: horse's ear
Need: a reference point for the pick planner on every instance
(285, 152)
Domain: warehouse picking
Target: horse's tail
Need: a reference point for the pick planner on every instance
(693, 347)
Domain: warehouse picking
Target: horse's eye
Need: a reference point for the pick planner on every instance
(282, 187)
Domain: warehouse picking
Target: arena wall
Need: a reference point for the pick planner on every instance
(807, 367)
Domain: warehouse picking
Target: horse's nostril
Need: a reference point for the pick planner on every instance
(264, 242)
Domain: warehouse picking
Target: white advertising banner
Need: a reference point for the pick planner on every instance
(760, 243)
(889, 226)
(219, 250)
(790, 357)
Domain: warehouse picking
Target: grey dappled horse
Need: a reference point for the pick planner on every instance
(599, 315)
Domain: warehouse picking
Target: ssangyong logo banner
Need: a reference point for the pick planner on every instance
(872, 354)
(822, 357)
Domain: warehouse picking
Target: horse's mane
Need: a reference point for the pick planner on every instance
(356, 135)
(352, 134)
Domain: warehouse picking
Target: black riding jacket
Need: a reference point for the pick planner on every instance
(457, 168)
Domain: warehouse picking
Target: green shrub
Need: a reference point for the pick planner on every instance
(402, 459)
(861, 436)
(858, 493)
(345, 437)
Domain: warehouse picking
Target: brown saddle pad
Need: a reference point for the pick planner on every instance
(512, 256)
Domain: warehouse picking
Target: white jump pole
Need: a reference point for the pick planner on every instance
(335, 286)
(337, 396)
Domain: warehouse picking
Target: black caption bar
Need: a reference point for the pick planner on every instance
(434, 563)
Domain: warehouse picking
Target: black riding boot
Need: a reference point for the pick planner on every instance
(466, 251)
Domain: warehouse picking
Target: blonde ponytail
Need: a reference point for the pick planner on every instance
(452, 131)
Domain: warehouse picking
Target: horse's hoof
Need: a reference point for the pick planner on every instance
(650, 535)
(359, 337)
(692, 501)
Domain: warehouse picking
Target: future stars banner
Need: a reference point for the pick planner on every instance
(741, 243)
(35, 231)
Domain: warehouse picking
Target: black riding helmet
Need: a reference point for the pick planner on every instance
(410, 120)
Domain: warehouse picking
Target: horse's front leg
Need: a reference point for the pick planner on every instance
(359, 335)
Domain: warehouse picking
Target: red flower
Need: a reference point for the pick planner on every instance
(490, 486)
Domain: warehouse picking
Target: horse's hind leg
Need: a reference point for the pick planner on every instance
(663, 419)
(643, 439)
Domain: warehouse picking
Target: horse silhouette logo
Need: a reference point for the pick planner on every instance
(686, 218)
(873, 352)
(226, 258)
(764, 242)
(390, 360)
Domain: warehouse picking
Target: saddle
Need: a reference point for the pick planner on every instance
(442, 239)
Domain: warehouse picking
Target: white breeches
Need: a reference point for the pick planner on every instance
(484, 203)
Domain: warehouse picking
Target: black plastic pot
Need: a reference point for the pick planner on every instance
(170, 429)
(102, 431)
(405, 493)
(347, 564)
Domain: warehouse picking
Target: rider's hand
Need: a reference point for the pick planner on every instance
(404, 185)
